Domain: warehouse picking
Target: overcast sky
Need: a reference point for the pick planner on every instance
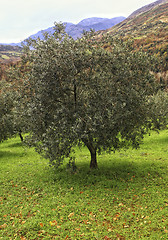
(20, 18)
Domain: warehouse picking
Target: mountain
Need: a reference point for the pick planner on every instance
(76, 30)
(10, 52)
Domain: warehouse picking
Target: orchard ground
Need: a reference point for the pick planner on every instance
(126, 198)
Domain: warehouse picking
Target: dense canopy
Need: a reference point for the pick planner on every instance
(82, 93)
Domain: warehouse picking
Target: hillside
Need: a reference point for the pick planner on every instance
(148, 28)
(146, 8)
(9, 53)
(144, 23)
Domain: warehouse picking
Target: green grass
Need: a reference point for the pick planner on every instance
(126, 198)
(5, 56)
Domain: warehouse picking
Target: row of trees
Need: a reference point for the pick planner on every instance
(67, 93)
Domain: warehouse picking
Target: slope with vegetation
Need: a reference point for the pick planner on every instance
(148, 28)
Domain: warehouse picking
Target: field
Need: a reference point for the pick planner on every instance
(6, 57)
(9, 53)
(126, 198)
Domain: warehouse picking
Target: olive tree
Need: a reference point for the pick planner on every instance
(6, 112)
(159, 110)
(86, 94)
(13, 101)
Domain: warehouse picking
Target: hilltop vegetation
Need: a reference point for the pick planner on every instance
(142, 25)
(148, 27)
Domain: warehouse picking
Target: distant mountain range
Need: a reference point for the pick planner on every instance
(76, 30)
(147, 27)
(12, 52)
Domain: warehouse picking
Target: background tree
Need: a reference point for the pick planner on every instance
(6, 111)
(84, 94)
(159, 110)
(13, 101)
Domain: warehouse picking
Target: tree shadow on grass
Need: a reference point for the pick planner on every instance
(12, 150)
(18, 144)
(12, 153)
(116, 175)
(7, 155)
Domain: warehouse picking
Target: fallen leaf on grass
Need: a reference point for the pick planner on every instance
(3, 226)
(120, 204)
(107, 238)
(53, 223)
(41, 224)
(41, 232)
(126, 226)
(71, 215)
(22, 238)
(77, 229)
(119, 237)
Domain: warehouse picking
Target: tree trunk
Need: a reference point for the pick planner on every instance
(20, 135)
(92, 149)
(93, 163)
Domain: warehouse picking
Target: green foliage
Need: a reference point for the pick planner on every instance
(159, 110)
(12, 102)
(6, 114)
(84, 94)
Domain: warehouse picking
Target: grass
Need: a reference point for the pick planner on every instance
(5, 56)
(126, 198)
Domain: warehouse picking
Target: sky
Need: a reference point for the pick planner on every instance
(19, 18)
